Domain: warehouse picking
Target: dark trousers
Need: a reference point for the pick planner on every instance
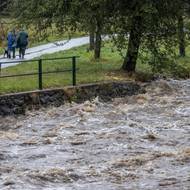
(10, 51)
(22, 51)
(13, 50)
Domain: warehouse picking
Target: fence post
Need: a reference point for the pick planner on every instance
(0, 68)
(40, 74)
(74, 70)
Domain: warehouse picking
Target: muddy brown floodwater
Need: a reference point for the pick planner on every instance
(132, 143)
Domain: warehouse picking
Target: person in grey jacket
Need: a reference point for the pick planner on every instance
(22, 43)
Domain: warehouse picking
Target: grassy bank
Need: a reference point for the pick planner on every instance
(105, 69)
(89, 70)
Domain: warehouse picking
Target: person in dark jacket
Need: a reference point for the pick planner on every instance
(11, 43)
(22, 43)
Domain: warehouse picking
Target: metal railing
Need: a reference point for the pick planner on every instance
(40, 72)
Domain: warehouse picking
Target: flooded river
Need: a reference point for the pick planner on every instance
(134, 143)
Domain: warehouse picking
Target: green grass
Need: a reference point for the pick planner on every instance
(90, 70)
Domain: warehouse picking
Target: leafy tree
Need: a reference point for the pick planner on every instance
(85, 15)
(3, 7)
(151, 26)
(183, 15)
(145, 24)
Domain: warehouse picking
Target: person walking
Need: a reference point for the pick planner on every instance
(22, 43)
(11, 43)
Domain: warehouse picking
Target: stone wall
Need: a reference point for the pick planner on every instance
(20, 102)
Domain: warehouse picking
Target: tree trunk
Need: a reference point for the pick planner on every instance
(92, 40)
(98, 41)
(133, 46)
(181, 36)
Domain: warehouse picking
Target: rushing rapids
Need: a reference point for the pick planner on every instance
(138, 142)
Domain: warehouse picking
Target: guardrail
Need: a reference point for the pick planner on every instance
(40, 72)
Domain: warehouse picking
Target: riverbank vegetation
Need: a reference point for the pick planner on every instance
(155, 27)
(107, 68)
(146, 38)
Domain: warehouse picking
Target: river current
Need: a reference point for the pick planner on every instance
(140, 142)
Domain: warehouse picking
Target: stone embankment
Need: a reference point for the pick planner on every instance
(18, 103)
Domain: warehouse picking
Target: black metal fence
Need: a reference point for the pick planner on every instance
(40, 72)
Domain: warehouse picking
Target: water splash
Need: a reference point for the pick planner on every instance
(138, 142)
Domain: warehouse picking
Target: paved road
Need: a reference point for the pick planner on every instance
(49, 48)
